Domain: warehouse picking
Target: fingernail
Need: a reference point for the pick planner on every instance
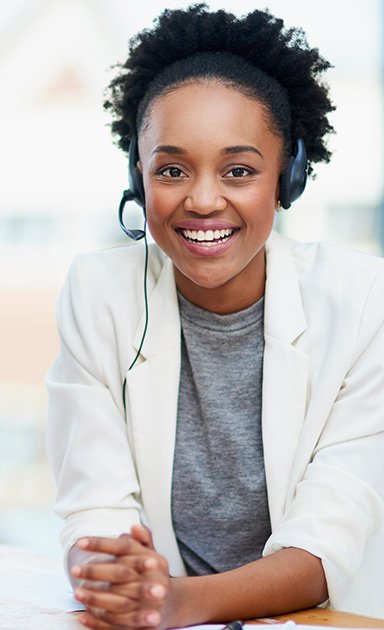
(150, 563)
(157, 591)
(153, 618)
(76, 570)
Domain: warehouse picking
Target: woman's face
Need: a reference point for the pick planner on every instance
(211, 167)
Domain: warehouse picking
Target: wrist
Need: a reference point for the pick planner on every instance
(188, 601)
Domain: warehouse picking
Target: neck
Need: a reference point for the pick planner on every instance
(233, 296)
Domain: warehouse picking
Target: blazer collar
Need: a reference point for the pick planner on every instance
(284, 313)
(163, 330)
(284, 318)
(286, 369)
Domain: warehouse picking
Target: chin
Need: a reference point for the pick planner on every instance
(208, 282)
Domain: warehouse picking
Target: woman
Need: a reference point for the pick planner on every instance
(236, 469)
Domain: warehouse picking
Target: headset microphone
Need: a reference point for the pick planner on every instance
(136, 235)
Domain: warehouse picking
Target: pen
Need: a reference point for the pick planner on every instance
(234, 625)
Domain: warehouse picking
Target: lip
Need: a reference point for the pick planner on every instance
(207, 250)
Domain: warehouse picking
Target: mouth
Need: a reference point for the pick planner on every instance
(207, 238)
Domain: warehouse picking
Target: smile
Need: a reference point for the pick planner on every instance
(207, 237)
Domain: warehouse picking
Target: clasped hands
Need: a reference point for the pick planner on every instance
(133, 590)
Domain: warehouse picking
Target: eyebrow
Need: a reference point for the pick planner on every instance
(242, 148)
(169, 148)
(173, 150)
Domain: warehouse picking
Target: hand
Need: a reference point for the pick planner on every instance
(135, 588)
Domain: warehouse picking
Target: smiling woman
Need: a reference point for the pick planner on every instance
(223, 175)
(227, 463)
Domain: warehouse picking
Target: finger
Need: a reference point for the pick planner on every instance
(116, 573)
(142, 593)
(143, 535)
(92, 621)
(124, 545)
(103, 572)
(100, 603)
(96, 623)
(112, 546)
(97, 612)
(129, 599)
(136, 619)
(93, 585)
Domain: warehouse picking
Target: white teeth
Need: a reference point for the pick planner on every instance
(209, 237)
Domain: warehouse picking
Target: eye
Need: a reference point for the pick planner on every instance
(239, 172)
(172, 171)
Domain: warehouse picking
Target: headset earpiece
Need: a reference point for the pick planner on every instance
(134, 176)
(294, 178)
(135, 191)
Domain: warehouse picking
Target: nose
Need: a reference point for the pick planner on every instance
(205, 196)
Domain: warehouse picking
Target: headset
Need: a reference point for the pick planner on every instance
(135, 192)
(292, 183)
(294, 178)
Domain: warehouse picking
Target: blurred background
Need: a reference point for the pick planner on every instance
(61, 179)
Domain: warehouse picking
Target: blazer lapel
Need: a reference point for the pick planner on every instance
(152, 394)
(285, 374)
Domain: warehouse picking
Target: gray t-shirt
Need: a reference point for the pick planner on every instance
(219, 499)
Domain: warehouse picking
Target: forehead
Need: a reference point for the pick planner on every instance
(207, 112)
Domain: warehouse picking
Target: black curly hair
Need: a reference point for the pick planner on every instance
(254, 53)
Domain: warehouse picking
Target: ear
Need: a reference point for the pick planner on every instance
(139, 166)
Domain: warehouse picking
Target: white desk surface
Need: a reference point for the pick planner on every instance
(20, 615)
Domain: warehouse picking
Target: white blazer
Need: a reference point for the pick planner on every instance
(322, 414)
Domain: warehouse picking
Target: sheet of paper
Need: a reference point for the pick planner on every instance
(45, 590)
(219, 626)
(288, 625)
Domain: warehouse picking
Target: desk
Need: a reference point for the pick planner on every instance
(325, 617)
(19, 615)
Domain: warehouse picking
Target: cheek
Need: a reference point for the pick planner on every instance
(157, 220)
(156, 206)
(257, 208)
(162, 202)
(159, 212)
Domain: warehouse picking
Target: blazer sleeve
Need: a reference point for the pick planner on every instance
(337, 511)
(88, 446)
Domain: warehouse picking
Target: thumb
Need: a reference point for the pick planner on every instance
(143, 535)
